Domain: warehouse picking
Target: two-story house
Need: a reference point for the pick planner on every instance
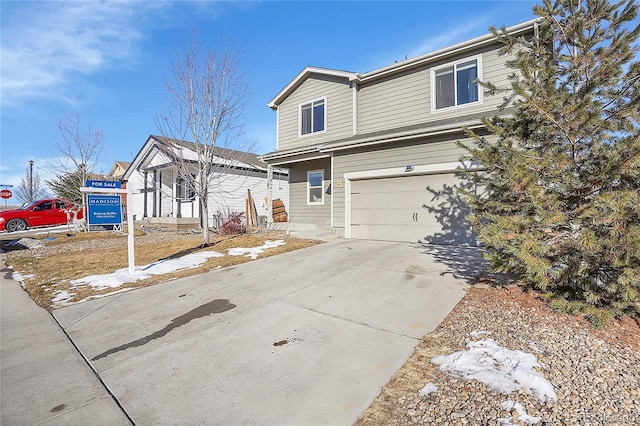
(374, 155)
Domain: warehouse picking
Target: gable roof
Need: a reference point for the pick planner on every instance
(118, 166)
(357, 78)
(174, 149)
(302, 77)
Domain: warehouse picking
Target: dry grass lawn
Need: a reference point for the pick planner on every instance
(48, 271)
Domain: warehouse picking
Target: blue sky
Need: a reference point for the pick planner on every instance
(107, 61)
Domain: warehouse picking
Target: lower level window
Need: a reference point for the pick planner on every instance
(315, 191)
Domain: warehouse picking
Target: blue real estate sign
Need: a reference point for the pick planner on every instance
(103, 184)
(104, 210)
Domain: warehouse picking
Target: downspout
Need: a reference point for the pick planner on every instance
(269, 194)
(354, 107)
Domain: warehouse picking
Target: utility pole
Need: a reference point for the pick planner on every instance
(31, 180)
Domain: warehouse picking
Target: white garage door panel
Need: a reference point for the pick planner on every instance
(412, 209)
(396, 233)
(381, 200)
(383, 216)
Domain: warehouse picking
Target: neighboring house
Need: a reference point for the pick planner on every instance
(374, 155)
(118, 169)
(116, 173)
(161, 196)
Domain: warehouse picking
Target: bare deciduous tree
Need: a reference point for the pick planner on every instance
(208, 96)
(79, 156)
(30, 187)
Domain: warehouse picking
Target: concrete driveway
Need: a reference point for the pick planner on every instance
(303, 338)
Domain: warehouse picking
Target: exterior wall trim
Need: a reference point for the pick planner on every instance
(397, 172)
(395, 137)
(283, 160)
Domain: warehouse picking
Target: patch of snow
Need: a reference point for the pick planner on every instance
(522, 414)
(254, 251)
(121, 276)
(429, 388)
(19, 277)
(30, 243)
(499, 368)
(185, 262)
(62, 296)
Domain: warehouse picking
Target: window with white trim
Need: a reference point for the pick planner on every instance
(315, 188)
(455, 84)
(312, 117)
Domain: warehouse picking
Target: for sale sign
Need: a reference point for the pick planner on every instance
(103, 184)
(104, 211)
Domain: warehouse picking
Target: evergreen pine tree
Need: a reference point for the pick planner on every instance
(67, 185)
(562, 203)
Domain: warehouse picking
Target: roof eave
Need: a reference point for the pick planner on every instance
(445, 52)
(301, 77)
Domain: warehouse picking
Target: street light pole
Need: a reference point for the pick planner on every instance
(31, 180)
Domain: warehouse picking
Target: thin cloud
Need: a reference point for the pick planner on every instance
(455, 35)
(45, 45)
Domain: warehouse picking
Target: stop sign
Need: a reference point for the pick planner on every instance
(5, 193)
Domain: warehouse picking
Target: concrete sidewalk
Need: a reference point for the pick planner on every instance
(43, 378)
(303, 338)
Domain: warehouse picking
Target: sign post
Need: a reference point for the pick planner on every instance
(5, 194)
(111, 187)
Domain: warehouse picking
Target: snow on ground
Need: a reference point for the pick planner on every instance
(428, 389)
(501, 369)
(18, 277)
(121, 276)
(117, 278)
(255, 251)
(522, 414)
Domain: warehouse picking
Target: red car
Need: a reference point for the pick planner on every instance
(55, 211)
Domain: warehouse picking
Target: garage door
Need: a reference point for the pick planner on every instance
(423, 208)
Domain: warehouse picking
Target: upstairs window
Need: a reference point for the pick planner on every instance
(315, 193)
(455, 84)
(312, 117)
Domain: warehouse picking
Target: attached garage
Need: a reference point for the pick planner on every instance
(419, 208)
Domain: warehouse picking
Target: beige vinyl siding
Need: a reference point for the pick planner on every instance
(405, 99)
(299, 210)
(423, 152)
(338, 110)
(397, 102)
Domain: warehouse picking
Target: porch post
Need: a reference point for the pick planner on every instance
(155, 193)
(178, 197)
(146, 177)
(160, 194)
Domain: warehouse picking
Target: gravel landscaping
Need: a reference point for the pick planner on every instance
(595, 372)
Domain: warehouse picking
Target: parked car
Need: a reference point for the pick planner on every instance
(54, 211)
